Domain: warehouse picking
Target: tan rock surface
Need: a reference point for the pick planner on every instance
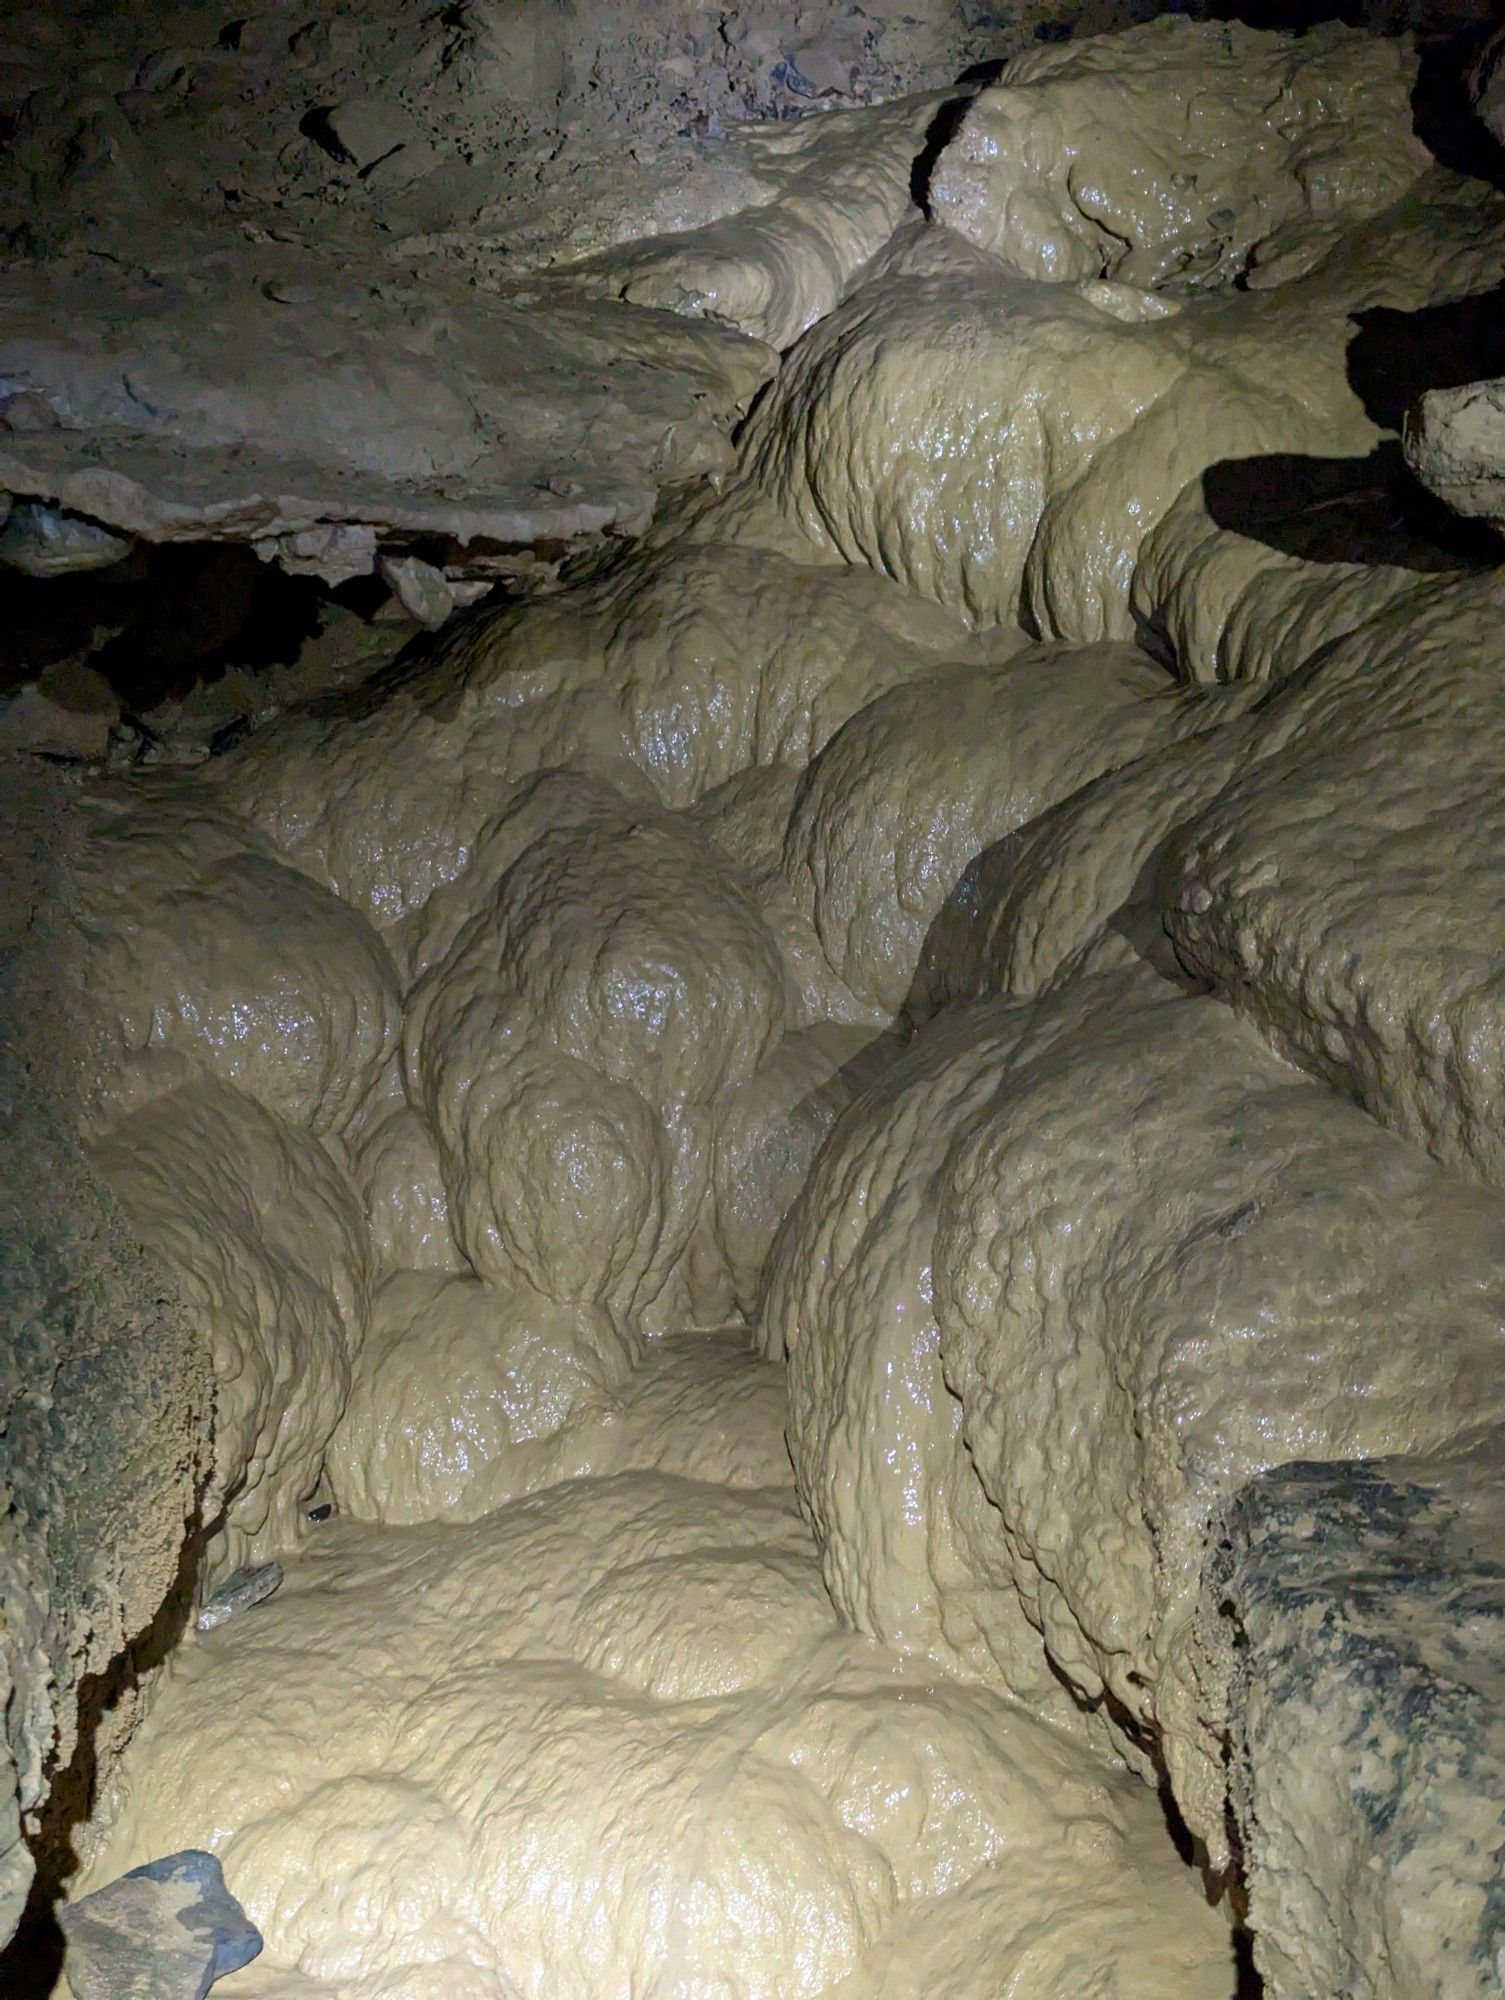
(1004, 446)
(924, 778)
(566, 1793)
(198, 941)
(267, 1243)
(398, 1174)
(457, 1393)
(838, 186)
(757, 927)
(1260, 1274)
(692, 665)
(1172, 153)
(1233, 607)
(1346, 893)
(909, 1549)
(610, 981)
(767, 1136)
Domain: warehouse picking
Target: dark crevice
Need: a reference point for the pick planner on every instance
(178, 615)
(1445, 116)
(316, 125)
(939, 134)
(32, 1962)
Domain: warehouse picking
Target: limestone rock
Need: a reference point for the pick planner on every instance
(1172, 153)
(185, 411)
(43, 541)
(768, 1133)
(68, 711)
(1231, 607)
(1455, 444)
(368, 129)
(1360, 1609)
(596, 982)
(1004, 446)
(397, 1172)
(166, 1931)
(424, 592)
(1346, 893)
(198, 941)
(106, 1395)
(622, 1730)
(1260, 1274)
(909, 1551)
(458, 1392)
(923, 779)
(1030, 906)
(692, 664)
(266, 1241)
(838, 187)
(252, 1584)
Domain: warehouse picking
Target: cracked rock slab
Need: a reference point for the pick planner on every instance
(182, 407)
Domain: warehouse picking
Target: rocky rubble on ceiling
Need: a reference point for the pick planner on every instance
(263, 281)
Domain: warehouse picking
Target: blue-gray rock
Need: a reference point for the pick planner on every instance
(251, 1584)
(166, 1931)
(48, 541)
(1365, 1604)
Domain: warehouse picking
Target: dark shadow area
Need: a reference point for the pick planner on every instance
(1246, 1973)
(32, 1962)
(176, 615)
(1373, 510)
(1349, 510)
(939, 134)
(1445, 117)
(316, 125)
(1396, 356)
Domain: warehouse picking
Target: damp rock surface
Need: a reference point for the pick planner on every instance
(766, 1138)
(1179, 154)
(621, 1724)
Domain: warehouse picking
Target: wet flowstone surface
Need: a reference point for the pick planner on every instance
(836, 1163)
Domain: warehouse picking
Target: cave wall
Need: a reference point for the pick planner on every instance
(104, 1389)
(103, 1385)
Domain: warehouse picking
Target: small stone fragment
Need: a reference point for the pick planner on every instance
(166, 1931)
(250, 1585)
(48, 541)
(369, 129)
(334, 553)
(424, 592)
(1455, 444)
